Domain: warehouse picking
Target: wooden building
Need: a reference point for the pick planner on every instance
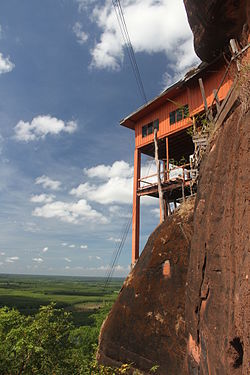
(172, 113)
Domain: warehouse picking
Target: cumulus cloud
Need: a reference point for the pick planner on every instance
(156, 212)
(64, 244)
(42, 198)
(113, 184)
(6, 65)
(2, 253)
(30, 227)
(67, 260)
(83, 246)
(105, 172)
(82, 37)
(155, 26)
(45, 249)
(74, 212)
(11, 259)
(48, 183)
(72, 246)
(114, 239)
(84, 4)
(94, 257)
(37, 260)
(41, 126)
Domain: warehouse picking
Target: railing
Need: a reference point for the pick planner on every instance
(167, 176)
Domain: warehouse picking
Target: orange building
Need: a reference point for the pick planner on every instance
(172, 113)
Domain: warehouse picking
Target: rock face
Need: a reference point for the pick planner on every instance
(217, 308)
(214, 23)
(146, 325)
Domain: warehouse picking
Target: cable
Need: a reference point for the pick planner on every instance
(130, 50)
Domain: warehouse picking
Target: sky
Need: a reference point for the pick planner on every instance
(66, 165)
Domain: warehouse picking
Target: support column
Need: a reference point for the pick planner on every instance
(167, 158)
(136, 208)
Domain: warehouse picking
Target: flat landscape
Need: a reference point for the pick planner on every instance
(82, 296)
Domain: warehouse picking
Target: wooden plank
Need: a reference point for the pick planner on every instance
(203, 94)
(217, 102)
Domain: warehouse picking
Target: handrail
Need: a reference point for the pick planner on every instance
(167, 171)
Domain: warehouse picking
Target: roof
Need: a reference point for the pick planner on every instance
(130, 120)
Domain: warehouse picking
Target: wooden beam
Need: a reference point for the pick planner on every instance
(204, 99)
(136, 208)
(216, 100)
(167, 158)
(157, 161)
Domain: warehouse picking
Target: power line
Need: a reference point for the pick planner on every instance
(130, 50)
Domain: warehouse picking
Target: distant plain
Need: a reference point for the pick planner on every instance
(82, 296)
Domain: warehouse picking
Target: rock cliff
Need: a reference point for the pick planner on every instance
(146, 325)
(215, 22)
(217, 311)
(185, 305)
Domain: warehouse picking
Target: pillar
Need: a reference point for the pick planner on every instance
(136, 208)
(167, 158)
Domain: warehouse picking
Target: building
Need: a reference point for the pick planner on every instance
(174, 111)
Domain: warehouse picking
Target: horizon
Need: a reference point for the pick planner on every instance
(66, 167)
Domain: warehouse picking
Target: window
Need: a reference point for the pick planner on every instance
(144, 131)
(178, 115)
(172, 117)
(149, 128)
(156, 124)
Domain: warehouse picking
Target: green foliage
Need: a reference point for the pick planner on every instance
(48, 343)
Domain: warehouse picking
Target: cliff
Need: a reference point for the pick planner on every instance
(215, 22)
(146, 325)
(185, 305)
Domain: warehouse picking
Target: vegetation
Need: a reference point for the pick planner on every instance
(79, 295)
(38, 336)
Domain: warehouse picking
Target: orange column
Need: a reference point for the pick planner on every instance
(136, 208)
(167, 158)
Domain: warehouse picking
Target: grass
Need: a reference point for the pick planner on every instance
(80, 295)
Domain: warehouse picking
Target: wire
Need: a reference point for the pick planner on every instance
(130, 50)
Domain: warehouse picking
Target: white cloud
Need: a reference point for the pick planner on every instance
(155, 26)
(42, 198)
(74, 212)
(11, 259)
(67, 268)
(6, 65)
(105, 172)
(45, 249)
(83, 246)
(94, 257)
(119, 211)
(114, 239)
(41, 126)
(82, 37)
(37, 260)
(84, 4)
(67, 260)
(48, 183)
(156, 212)
(114, 185)
(30, 227)
(2, 253)
(64, 243)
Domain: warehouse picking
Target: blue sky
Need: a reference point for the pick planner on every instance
(65, 163)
